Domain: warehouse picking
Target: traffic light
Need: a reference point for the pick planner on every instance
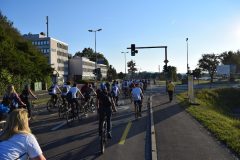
(94, 71)
(165, 68)
(133, 50)
(98, 71)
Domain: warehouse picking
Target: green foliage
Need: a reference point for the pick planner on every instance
(132, 67)
(170, 72)
(121, 75)
(19, 60)
(111, 73)
(231, 57)
(209, 63)
(90, 54)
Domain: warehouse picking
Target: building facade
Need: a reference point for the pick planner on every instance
(56, 52)
(82, 68)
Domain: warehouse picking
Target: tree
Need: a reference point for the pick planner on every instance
(172, 73)
(19, 58)
(209, 63)
(111, 73)
(131, 65)
(121, 75)
(197, 73)
(89, 53)
(231, 58)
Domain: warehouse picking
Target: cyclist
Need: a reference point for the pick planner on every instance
(11, 99)
(53, 90)
(115, 93)
(65, 90)
(105, 105)
(137, 97)
(75, 94)
(25, 98)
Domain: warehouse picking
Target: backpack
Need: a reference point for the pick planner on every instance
(104, 99)
(10, 101)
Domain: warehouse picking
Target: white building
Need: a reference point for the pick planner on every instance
(55, 50)
(82, 68)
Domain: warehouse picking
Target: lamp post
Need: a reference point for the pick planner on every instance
(95, 31)
(125, 62)
(187, 56)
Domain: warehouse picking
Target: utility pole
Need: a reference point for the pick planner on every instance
(47, 25)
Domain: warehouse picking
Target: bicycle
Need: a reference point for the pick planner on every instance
(54, 107)
(88, 106)
(72, 113)
(137, 108)
(62, 108)
(103, 136)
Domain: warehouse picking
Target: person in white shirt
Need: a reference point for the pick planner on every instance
(65, 89)
(137, 97)
(75, 94)
(53, 91)
(115, 93)
(17, 141)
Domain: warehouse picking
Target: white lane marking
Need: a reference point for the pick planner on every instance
(153, 135)
(59, 126)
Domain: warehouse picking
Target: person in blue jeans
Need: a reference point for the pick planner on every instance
(105, 105)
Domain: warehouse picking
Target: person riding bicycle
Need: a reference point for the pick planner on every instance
(65, 89)
(25, 98)
(75, 92)
(11, 99)
(87, 91)
(115, 93)
(105, 105)
(137, 97)
(53, 91)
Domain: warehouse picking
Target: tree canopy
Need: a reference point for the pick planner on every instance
(18, 57)
(91, 55)
(209, 63)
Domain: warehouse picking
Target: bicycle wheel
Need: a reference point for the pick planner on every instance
(103, 139)
(69, 116)
(136, 110)
(92, 106)
(50, 105)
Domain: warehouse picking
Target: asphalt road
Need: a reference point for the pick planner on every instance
(81, 141)
(178, 135)
(181, 137)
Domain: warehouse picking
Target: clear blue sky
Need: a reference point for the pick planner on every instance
(212, 26)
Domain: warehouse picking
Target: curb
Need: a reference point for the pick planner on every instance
(153, 136)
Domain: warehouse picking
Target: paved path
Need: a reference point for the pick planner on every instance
(181, 137)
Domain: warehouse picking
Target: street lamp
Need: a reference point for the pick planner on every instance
(125, 62)
(187, 56)
(95, 31)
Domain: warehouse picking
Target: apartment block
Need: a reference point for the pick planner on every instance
(82, 68)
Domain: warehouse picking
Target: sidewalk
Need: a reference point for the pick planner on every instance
(180, 137)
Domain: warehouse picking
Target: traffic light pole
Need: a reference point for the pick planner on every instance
(133, 51)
